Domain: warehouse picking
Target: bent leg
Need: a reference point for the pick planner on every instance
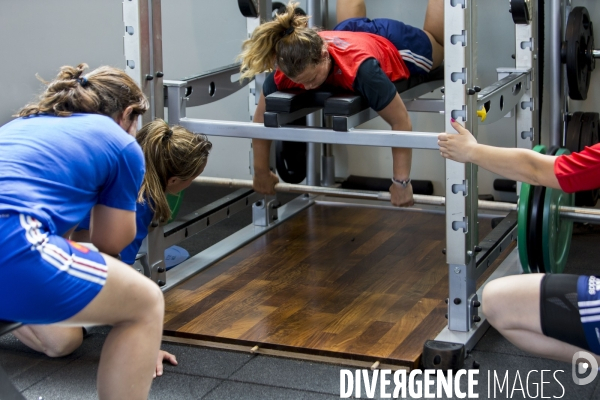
(134, 306)
(54, 341)
(345, 9)
(434, 20)
(434, 29)
(512, 306)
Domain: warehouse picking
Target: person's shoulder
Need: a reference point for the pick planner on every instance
(99, 120)
(102, 126)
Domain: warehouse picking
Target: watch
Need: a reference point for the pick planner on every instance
(403, 183)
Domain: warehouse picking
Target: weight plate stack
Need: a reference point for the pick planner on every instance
(523, 208)
(556, 232)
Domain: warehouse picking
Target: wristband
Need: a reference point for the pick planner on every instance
(403, 183)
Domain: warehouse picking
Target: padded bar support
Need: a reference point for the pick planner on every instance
(277, 119)
(343, 123)
(347, 104)
(294, 100)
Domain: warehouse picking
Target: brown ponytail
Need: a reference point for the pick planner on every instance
(286, 42)
(105, 90)
(168, 152)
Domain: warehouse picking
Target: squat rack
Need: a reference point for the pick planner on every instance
(515, 91)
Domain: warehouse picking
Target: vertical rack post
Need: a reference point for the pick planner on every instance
(526, 58)
(313, 155)
(556, 93)
(142, 45)
(461, 179)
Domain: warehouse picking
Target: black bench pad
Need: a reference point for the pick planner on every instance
(335, 102)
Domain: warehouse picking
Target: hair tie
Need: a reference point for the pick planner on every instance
(168, 134)
(83, 81)
(288, 31)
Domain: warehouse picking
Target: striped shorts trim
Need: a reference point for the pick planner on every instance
(46, 278)
(73, 264)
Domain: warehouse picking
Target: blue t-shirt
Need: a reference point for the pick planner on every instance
(57, 168)
(143, 218)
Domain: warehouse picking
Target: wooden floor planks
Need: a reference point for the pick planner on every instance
(352, 282)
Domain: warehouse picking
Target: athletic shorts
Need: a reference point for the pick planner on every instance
(45, 278)
(412, 43)
(570, 310)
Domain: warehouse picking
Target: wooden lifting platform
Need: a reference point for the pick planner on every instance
(347, 284)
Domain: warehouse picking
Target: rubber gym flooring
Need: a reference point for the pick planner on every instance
(207, 373)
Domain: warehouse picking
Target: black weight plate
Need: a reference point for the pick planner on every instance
(248, 8)
(574, 132)
(579, 39)
(534, 238)
(278, 8)
(290, 159)
(519, 10)
(595, 119)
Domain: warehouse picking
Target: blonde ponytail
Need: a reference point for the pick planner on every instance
(286, 42)
(105, 90)
(168, 152)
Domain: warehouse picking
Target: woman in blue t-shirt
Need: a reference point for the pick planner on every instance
(174, 157)
(70, 152)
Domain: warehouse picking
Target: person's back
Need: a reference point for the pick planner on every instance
(57, 168)
(71, 152)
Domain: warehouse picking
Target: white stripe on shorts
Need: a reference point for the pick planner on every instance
(419, 61)
(589, 303)
(76, 266)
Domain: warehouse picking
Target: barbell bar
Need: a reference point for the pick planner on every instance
(571, 213)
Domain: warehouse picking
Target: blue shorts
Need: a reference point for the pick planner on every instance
(588, 300)
(45, 278)
(412, 43)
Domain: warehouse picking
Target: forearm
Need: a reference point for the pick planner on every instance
(261, 150)
(517, 164)
(402, 157)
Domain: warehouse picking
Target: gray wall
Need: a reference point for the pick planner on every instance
(38, 36)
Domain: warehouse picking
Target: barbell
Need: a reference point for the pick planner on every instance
(544, 225)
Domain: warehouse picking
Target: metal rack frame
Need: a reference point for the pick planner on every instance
(514, 92)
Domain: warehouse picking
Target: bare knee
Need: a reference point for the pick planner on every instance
(61, 347)
(346, 9)
(492, 303)
(150, 303)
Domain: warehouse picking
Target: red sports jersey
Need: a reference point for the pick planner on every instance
(579, 171)
(348, 51)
